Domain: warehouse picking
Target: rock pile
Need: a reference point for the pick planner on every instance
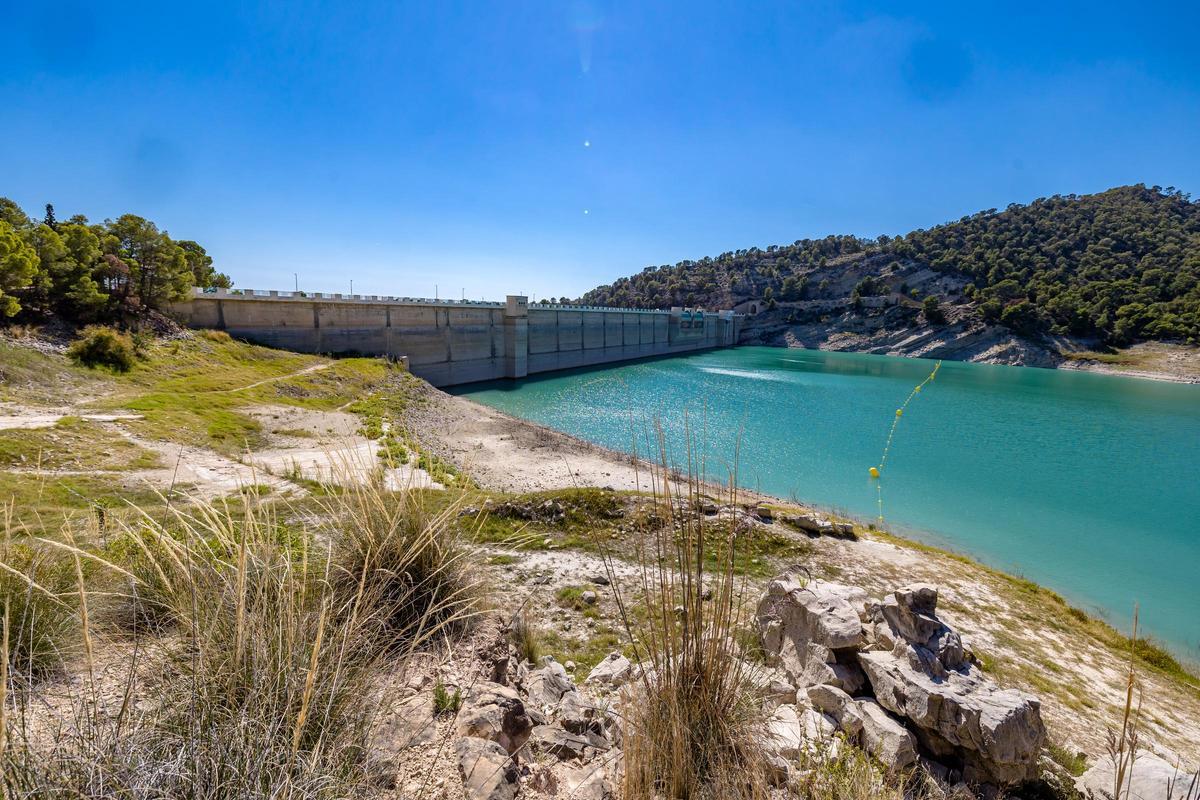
(542, 731)
(897, 681)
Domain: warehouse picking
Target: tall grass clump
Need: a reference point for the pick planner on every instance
(267, 676)
(39, 606)
(101, 346)
(399, 570)
(696, 726)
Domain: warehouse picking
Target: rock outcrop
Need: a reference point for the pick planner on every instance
(542, 731)
(898, 681)
(496, 713)
(812, 631)
(486, 769)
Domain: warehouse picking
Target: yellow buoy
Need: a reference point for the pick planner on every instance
(917, 390)
(874, 472)
(899, 412)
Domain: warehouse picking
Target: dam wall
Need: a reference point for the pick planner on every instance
(452, 342)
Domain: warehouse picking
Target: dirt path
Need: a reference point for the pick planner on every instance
(25, 419)
(276, 379)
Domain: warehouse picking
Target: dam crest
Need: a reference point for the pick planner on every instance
(450, 342)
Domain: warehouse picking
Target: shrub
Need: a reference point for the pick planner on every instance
(100, 346)
(524, 638)
(932, 310)
(445, 701)
(221, 337)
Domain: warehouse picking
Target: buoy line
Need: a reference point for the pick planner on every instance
(876, 472)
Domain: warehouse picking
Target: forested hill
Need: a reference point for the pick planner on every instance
(1122, 266)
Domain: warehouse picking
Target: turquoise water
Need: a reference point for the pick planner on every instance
(1084, 483)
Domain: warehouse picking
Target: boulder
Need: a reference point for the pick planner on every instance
(589, 782)
(1152, 778)
(409, 723)
(793, 732)
(486, 769)
(577, 715)
(815, 623)
(997, 733)
(613, 672)
(558, 742)
(840, 706)
(910, 615)
(817, 525)
(495, 713)
(547, 684)
(821, 666)
(884, 737)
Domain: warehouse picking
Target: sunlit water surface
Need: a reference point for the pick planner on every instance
(1085, 483)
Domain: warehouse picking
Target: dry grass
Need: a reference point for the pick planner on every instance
(697, 729)
(268, 642)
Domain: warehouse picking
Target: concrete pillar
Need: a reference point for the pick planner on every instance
(516, 336)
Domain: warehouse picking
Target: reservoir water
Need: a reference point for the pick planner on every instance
(1084, 483)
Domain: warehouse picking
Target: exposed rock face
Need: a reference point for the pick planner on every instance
(565, 745)
(898, 681)
(884, 737)
(811, 630)
(409, 724)
(612, 673)
(817, 525)
(958, 714)
(487, 771)
(546, 685)
(795, 732)
(495, 713)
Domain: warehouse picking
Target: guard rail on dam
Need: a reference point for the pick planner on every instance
(449, 342)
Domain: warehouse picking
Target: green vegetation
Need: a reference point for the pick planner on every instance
(39, 623)
(195, 391)
(524, 636)
(445, 701)
(101, 346)
(1122, 265)
(586, 651)
(1073, 762)
(718, 282)
(72, 444)
(29, 376)
(40, 504)
(113, 271)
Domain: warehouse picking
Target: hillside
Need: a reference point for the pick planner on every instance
(1108, 270)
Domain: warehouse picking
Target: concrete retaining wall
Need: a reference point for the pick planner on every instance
(449, 343)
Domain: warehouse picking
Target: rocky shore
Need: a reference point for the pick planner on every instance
(1028, 638)
(900, 331)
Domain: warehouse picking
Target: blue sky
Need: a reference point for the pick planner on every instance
(548, 147)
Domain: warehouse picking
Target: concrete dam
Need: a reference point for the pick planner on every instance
(450, 342)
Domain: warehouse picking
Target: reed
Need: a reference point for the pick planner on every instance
(696, 727)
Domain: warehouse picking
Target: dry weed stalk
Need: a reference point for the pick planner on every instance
(696, 727)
